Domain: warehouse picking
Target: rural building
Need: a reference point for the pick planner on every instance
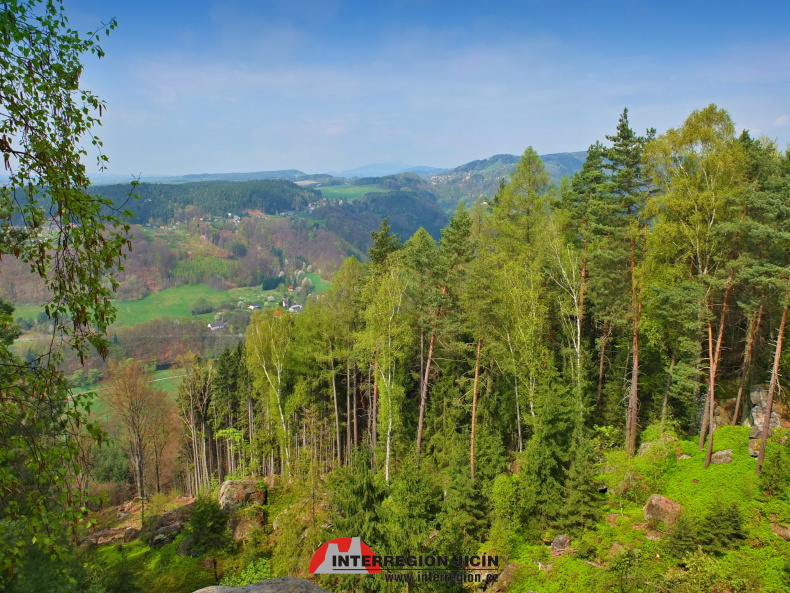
(215, 325)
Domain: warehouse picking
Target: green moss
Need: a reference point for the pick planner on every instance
(162, 570)
(753, 560)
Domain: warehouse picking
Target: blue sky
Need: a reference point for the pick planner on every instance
(321, 85)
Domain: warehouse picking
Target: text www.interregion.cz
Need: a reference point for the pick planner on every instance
(436, 577)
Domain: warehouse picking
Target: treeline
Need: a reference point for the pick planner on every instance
(482, 177)
(161, 203)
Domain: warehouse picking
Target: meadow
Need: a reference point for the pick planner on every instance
(177, 302)
(319, 284)
(347, 192)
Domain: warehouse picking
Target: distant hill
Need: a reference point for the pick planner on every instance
(405, 198)
(500, 165)
(423, 170)
(287, 174)
(560, 164)
(481, 178)
(384, 169)
(498, 162)
(160, 203)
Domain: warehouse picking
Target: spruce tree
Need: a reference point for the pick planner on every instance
(384, 243)
(582, 508)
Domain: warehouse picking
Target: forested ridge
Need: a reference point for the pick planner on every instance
(165, 202)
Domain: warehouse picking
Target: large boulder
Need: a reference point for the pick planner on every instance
(723, 456)
(233, 493)
(164, 535)
(244, 522)
(661, 509)
(279, 585)
(722, 416)
(110, 536)
(505, 580)
(560, 545)
(782, 531)
(780, 416)
(155, 523)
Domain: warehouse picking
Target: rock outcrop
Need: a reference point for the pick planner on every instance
(560, 544)
(279, 585)
(245, 522)
(110, 536)
(661, 509)
(723, 456)
(780, 416)
(233, 493)
(164, 535)
(505, 580)
(782, 531)
(755, 408)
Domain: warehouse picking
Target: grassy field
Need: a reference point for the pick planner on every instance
(347, 192)
(27, 311)
(177, 302)
(180, 239)
(171, 302)
(319, 285)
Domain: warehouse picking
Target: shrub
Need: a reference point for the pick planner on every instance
(683, 537)
(775, 473)
(256, 570)
(720, 529)
(116, 578)
(201, 306)
(238, 249)
(208, 526)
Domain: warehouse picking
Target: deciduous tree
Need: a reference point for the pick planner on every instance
(72, 240)
(138, 407)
